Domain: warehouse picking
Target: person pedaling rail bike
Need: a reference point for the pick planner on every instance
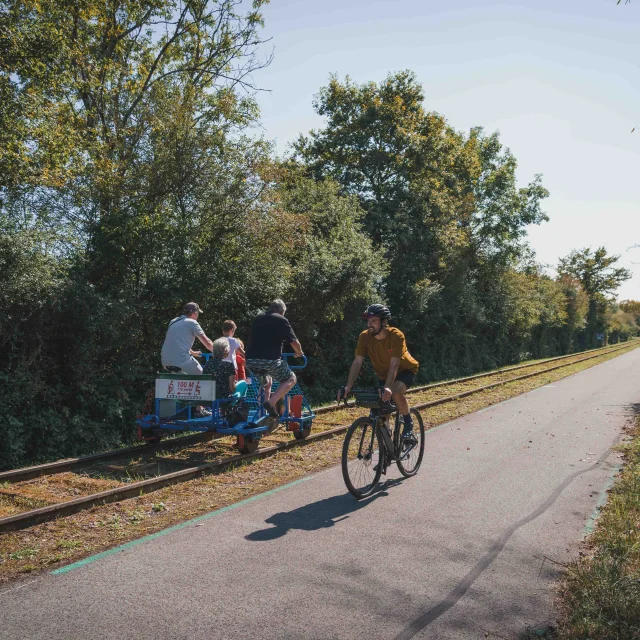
(177, 353)
(395, 367)
(264, 353)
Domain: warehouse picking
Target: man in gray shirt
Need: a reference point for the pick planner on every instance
(181, 334)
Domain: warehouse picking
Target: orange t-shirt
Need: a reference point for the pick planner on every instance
(381, 351)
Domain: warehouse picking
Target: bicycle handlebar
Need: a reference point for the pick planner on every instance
(367, 398)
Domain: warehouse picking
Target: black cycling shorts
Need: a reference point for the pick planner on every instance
(406, 377)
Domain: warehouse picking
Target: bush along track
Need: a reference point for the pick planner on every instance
(600, 592)
(67, 539)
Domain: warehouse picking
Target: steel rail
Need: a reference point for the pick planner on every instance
(43, 514)
(464, 394)
(488, 374)
(49, 468)
(59, 466)
(69, 464)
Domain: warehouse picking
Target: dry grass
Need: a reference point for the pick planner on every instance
(68, 539)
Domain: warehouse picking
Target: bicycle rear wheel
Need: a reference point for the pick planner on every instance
(361, 464)
(410, 456)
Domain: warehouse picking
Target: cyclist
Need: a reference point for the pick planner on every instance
(391, 360)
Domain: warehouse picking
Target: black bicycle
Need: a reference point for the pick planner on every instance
(371, 445)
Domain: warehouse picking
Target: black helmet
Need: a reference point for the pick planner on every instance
(377, 310)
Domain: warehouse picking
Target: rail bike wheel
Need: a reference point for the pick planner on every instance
(247, 446)
(302, 433)
(361, 464)
(410, 457)
(149, 436)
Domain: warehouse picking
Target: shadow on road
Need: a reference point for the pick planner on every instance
(317, 515)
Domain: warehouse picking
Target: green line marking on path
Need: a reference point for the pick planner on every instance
(175, 527)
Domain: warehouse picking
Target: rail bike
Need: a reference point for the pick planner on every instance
(182, 402)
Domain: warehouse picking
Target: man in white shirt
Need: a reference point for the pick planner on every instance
(181, 334)
(228, 331)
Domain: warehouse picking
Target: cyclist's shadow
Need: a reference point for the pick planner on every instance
(317, 515)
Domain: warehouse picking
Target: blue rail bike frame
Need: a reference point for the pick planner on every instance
(257, 423)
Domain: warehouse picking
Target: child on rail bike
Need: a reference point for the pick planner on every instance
(236, 348)
(395, 367)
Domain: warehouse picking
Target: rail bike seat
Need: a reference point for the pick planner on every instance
(172, 369)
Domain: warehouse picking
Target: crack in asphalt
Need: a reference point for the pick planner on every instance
(463, 586)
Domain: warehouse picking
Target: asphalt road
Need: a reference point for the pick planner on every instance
(466, 547)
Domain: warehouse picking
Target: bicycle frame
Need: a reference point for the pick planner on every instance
(380, 416)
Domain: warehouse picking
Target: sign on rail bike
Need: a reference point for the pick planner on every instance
(186, 388)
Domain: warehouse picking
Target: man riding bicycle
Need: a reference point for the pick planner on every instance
(395, 367)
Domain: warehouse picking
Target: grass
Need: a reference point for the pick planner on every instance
(105, 526)
(600, 592)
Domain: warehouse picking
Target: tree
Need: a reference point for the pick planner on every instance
(443, 206)
(621, 324)
(577, 307)
(631, 306)
(110, 90)
(596, 273)
(595, 270)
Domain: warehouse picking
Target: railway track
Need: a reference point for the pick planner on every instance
(23, 488)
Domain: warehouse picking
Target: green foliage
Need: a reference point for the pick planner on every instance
(442, 206)
(622, 324)
(632, 307)
(130, 183)
(594, 270)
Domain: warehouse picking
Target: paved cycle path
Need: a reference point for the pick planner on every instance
(466, 547)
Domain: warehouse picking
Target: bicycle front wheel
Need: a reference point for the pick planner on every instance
(361, 464)
(411, 453)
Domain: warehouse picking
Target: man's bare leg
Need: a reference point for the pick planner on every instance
(283, 389)
(266, 387)
(398, 391)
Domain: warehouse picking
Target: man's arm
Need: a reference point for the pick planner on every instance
(297, 348)
(205, 341)
(391, 377)
(356, 365)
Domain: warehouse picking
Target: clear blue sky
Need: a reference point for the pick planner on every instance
(559, 79)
